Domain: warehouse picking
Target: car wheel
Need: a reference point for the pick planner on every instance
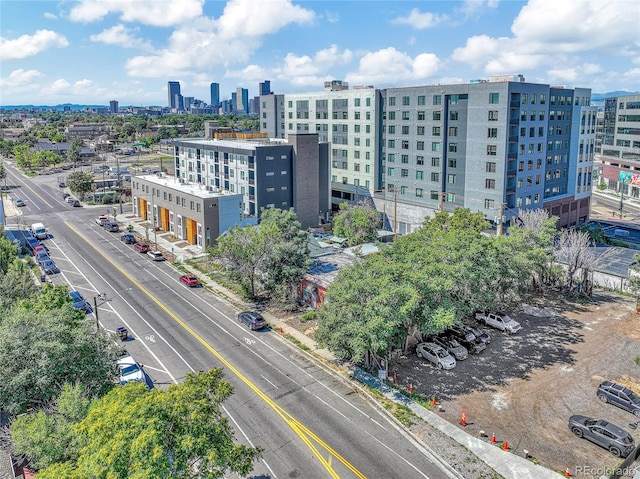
(603, 398)
(439, 365)
(637, 412)
(577, 431)
(419, 354)
(615, 451)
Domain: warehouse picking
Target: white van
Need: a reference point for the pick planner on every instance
(39, 231)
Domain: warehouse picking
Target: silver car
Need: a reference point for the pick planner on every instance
(436, 355)
(452, 345)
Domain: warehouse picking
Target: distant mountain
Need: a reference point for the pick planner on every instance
(72, 107)
(601, 97)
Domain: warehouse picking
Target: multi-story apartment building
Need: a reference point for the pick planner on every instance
(173, 94)
(348, 119)
(491, 146)
(87, 131)
(215, 94)
(620, 148)
(274, 173)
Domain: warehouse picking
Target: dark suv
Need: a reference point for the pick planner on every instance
(252, 319)
(467, 339)
(603, 433)
(618, 395)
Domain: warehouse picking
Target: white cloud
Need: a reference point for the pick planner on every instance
(211, 44)
(50, 16)
(547, 33)
(471, 7)
(20, 78)
(30, 45)
(419, 20)
(389, 66)
(122, 36)
(149, 12)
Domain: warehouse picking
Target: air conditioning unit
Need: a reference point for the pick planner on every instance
(209, 188)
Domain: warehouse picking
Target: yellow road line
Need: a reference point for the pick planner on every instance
(302, 431)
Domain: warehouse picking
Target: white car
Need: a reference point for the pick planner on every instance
(436, 355)
(499, 321)
(156, 255)
(130, 370)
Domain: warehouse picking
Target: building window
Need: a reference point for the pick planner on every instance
(493, 115)
(435, 146)
(406, 101)
(435, 162)
(404, 190)
(453, 147)
(420, 145)
(405, 144)
(434, 195)
(492, 133)
(269, 190)
(490, 184)
(420, 130)
(419, 160)
(419, 175)
(435, 176)
(490, 167)
(405, 115)
(392, 101)
(492, 150)
(391, 158)
(391, 129)
(489, 204)
(269, 173)
(390, 171)
(453, 115)
(404, 173)
(421, 99)
(494, 98)
(437, 99)
(405, 159)
(422, 116)
(451, 179)
(452, 162)
(437, 115)
(435, 130)
(419, 192)
(453, 131)
(391, 143)
(405, 130)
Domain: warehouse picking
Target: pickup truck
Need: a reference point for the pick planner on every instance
(102, 220)
(499, 321)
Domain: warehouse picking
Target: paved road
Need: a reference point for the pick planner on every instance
(310, 423)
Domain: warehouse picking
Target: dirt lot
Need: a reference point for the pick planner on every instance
(524, 387)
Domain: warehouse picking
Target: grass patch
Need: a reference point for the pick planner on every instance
(297, 342)
(637, 360)
(401, 412)
(308, 316)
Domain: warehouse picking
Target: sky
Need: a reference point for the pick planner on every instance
(94, 51)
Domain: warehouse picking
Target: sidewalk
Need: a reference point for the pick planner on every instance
(505, 463)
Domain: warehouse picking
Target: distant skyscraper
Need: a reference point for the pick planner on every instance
(173, 89)
(242, 101)
(113, 106)
(265, 88)
(215, 95)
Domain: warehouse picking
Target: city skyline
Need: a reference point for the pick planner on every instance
(128, 51)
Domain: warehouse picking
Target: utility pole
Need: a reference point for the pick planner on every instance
(500, 213)
(395, 210)
(621, 196)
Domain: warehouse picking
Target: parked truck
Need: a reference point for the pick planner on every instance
(499, 321)
(39, 231)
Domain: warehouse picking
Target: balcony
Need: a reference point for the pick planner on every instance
(512, 173)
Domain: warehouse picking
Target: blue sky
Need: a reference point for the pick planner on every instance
(93, 51)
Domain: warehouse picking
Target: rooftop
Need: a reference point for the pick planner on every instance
(196, 189)
(247, 144)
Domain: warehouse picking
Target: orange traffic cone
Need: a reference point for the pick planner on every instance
(410, 387)
(567, 473)
(493, 438)
(463, 420)
(505, 446)
(433, 401)
(281, 330)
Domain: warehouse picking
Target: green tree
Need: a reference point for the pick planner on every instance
(133, 433)
(3, 174)
(16, 283)
(48, 435)
(8, 252)
(23, 155)
(80, 183)
(358, 224)
(73, 154)
(45, 343)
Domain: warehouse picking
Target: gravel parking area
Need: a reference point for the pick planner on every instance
(525, 386)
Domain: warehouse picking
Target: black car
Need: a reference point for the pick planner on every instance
(128, 238)
(479, 333)
(618, 395)
(466, 338)
(252, 319)
(603, 433)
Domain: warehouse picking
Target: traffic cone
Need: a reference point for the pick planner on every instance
(433, 401)
(281, 330)
(567, 473)
(493, 438)
(505, 446)
(410, 387)
(463, 420)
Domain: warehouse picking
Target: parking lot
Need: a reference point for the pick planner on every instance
(524, 387)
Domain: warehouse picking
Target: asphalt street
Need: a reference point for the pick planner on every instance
(310, 422)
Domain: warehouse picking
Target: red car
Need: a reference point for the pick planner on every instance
(189, 280)
(142, 247)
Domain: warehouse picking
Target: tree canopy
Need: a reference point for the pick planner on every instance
(80, 182)
(357, 223)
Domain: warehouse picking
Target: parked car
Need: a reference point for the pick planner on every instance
(142, 247)
(253, 319)
(128, 238)
(20, 202)
(70, 199)
(436, 354)
(49, 267)
(76, 203)
(102, 220)
(79, 302)
(618, 395)
(603, 433)
(466, 338)
(65, 196)
(41, 255)
(499, 321)
(112, 226)
(189, 280)
(32, 242)
(40, 248)
(130, 370)
(61, 184)
(479, 333)
(155, 255)
(452, 345)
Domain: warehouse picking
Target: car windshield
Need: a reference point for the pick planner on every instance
(589, 422)
(627, 439)
(634, 397)
(442, 353)
(127, 369)
(454, 343)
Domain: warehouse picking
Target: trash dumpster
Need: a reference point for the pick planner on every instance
(123, 334)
